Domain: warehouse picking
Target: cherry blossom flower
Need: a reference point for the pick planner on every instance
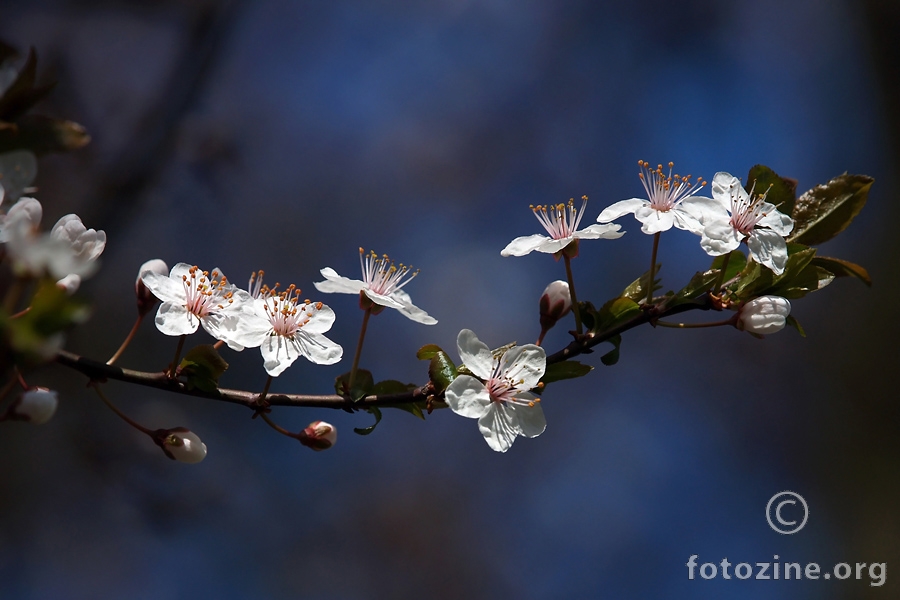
(319, 436)
(745, 217)
(286, 327)
(145, 298)
(22, 219)
(191, 297)
(37, 405)
(382, 283)
(764, 315)
(561, 221)
(181, 444)
(670, 201)
(500, 397)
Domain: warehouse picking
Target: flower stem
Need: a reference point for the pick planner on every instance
(265, 392)
(652, 267)
(174, 366)
(275, 426)
(721, 276)
(13, 294)
(575, 311)
(541, 337)
(127, 341)
(359, 345)
(112, 406)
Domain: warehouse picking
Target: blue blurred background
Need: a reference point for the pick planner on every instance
(284, 135)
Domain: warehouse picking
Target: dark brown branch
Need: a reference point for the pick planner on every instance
(100, 371)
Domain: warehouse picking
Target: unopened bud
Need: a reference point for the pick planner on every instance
(145, 298)
(37, 405)
(764, 315)
(318, 436)
(181, 444)
(556, 302)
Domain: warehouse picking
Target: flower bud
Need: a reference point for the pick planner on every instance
(145, 298)
(37, 405)
(556, 302)
(318, 436)
(764, 315)
(181, 444)
(70, 283)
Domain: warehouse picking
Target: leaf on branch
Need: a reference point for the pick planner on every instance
(637, 290)
(612, 357)
(736, 263)
(428, 351)
(441, 371)
(792, 322)
(389, 387)
(843, 268)
(203, 365)
(782, 192)
(611, 314)
(367, 430)
(826, 210)
(757, 280)
(34, 336)
(569, 369)
(699, 284)
(42, 135)
(363, 385)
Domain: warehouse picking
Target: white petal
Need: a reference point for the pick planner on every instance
(525, 245)
(179, 271)
(467, 397)
(410, 310)
(499, 426)
(382, 300)
(166, 288)
(775, 220)
(70, 283)
(723, 184)
(623, 207)
(277, 355)
(769, 249)
(320, 320)
(317, 348)
(598, 232)
(654, 221)
(336, 284)
(475, 354)
(704, 209)
(719, 237)
(531, 418)
(174, 319)
(525, 365)
(226, 326)
(24, 217)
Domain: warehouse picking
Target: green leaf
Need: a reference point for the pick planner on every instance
(810, 279)
(569, 369)
(782, 192)
(637, 290)
(34, 336)
(442, 371)
(736, 264)
(699, 284)
(611, 314)
(843, 268)
(367, 430)
(42, 135)
(757, 280)
(389, 387)
(826, 210)
(612, 357)
(428, 351)
(203, 365)
(363, 385)
(791, 321)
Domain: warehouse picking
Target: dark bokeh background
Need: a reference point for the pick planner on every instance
(284, 135)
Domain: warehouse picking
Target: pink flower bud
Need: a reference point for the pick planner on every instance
(69, 283)
(181, 444)
(318, 436)
(37, 405)
(145, 298)
(764, 315)
(556, 302)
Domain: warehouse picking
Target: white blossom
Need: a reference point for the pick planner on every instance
(561, 221)
(764, 315)
(499, 398)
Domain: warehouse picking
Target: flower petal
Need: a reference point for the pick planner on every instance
(525, 245)
(277, 354)
(320, 320)
(410, 310)
(775, 220)
(475, 354)
(719, 237)
(723, 185)
(531, 418)
(654, 221)
(598, 232)
(769, 249)
(317, 348)
(336, 284)
(524, 365)
(467, 397)
(382, 300)
(499, 426)
(623, 207)
(174, 319)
